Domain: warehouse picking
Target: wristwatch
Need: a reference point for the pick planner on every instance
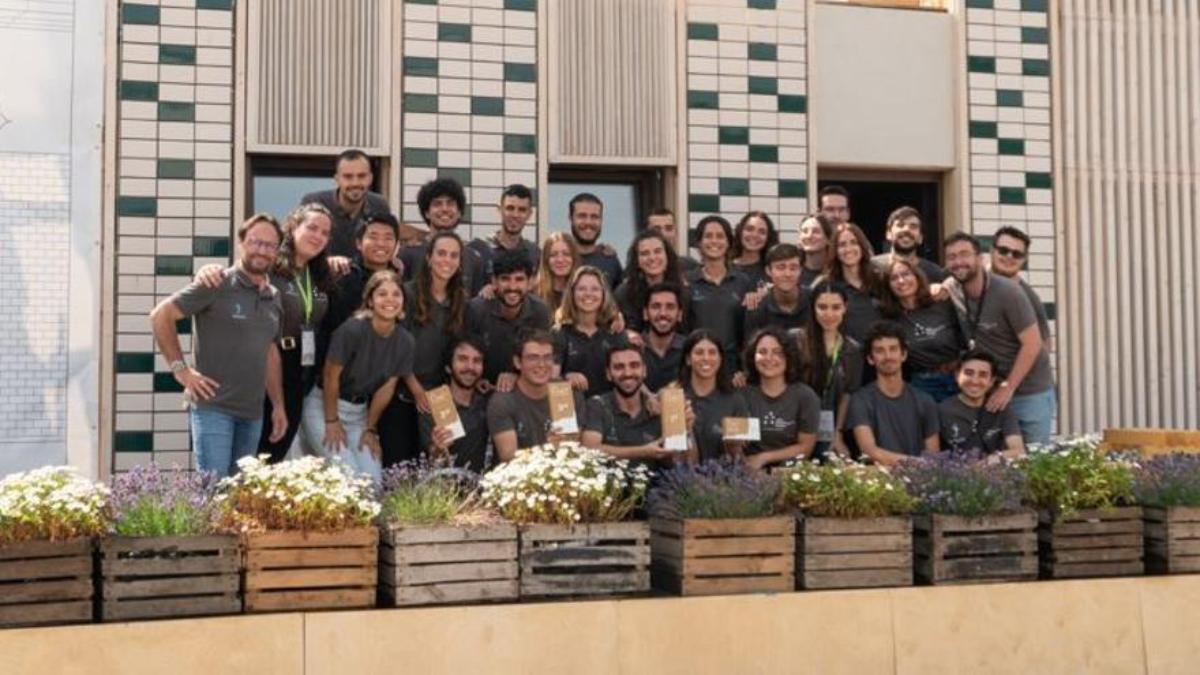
(178, 366)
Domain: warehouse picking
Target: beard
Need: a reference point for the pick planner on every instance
(622, 387)
(654, 329)
(466, 380)
(581, 239)
(905, 250)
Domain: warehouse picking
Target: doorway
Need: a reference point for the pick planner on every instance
(875, 195)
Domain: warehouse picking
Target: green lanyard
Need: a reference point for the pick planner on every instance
(306, 295)
(837, 354)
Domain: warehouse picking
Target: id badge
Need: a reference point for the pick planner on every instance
(825, 427)
(308, 347)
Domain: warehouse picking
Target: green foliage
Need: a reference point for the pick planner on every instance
(844, 490)
(1075, 474)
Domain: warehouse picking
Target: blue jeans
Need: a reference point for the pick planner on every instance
(1036, 414)
(940, 386)
(220, 439)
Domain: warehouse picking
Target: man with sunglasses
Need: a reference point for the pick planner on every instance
(1010, 250)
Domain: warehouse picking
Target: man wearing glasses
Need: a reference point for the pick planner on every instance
(1010, 250)
(234, 336)
(521, 418)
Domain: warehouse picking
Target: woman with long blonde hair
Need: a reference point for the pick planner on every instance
(584, 331)
(560, 257)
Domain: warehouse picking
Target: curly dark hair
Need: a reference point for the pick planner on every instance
(791, 354)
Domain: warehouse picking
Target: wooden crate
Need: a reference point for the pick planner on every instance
(958, 550)
(1091, 543)
(710, 557)
(448, 564)
(158, 577)
(46, 582)
(287, 571)
(1172, 539)
(854, 553)
(585, 560)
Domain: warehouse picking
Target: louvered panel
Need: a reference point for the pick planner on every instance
(1128, 170)
(612, 81)
(318, 78)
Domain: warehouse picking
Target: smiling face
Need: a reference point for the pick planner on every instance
(587, 220)
(378, 245)
(785, 274)
(812, 238)
(353, 179)
(830, 311)
(511, 288)
(662, 312)
(754, 235)
(311, 235)
(836, 208)
(560, 260)
(514, 214)
(769, 359)
(444, 258)
(713, 243)
(887, 356)
(962, 261)
(905, 235)
(588, 293)
(902, 280)
(386, 301)
(535, 363)
(1008, 255)
(975, 378)
(466, 366)
(626, 371)
(259, 248)
(652, 258)
(443, 213)
(705, 360)
(849, 252)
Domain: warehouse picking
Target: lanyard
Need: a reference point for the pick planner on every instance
(833, 364)
(973, 321)
(306, 295)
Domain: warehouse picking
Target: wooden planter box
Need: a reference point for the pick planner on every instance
(1172, 539)
(311, 570)
(585, 560)
(153, 577)
(709, 557)
(955, 549)
(448, 564)
(854, 553)
(1091, 543)
(46, 582)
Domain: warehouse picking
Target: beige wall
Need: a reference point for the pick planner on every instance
(1136, 625)
(883, 87)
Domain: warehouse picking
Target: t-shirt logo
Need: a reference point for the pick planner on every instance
(237, 312)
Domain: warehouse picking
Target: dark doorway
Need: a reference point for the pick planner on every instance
(872, 200)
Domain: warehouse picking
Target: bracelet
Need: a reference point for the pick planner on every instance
(336, 419)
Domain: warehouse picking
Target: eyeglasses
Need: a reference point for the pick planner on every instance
(261, 245)
(1007, 252)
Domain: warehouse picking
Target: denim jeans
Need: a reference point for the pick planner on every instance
(1036, 414)
(354, 421)
(220, 439)
(940, 386)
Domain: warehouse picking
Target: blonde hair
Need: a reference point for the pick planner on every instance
(566, 313)
(545, 278)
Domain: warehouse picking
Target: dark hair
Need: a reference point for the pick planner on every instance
(350, 155)
(724, 384)
(285, 259)
(459, 341)
(455, 293)
(442, 186)
(510, 261)
(902, 213)
(772, 234)
(661, 211)
(780, 252)
(885, 329)
(621, 344)
(534, 336)
(381, 218)
(833, 268)
(791, 354)
(725, 227)
(833, 190)
(517, 191)
(980, 355)
(635, 282)
(261, 217)
(960, 236)
(827, 229)
(1010, 231)
(581, 198)
(890, 305)
(665, 287)
(814, 361)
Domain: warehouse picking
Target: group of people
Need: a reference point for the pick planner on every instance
(330, 331)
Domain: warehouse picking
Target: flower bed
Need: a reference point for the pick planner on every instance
(1169, 488)
(853, 527)
(307, 534)
(48, 518)
(714, 530)
(568, 502)
(437, 546)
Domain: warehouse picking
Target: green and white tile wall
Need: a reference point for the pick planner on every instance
(174, 200)
(747, 109)
(1008, 63)
(469, 101)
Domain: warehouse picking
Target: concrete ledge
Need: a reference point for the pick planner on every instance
(1135, 625)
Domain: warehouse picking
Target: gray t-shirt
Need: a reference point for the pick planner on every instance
(996, 319)
(474, 268)
(769, 313)
(486, 322)
(900, 424)
(975, 430)
(796, 411)
(432, 339)
(709, 411)
(1039, 308)
(369, 359)
(233, 326)
(605, 262)
(934, 272)
(718, 308)
(616, 427)
(489, 249)
(471, 450)
(528, 417)
(662, 370)
(934, 336)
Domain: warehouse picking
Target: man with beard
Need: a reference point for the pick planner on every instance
(1010, 250)
(905, 236)
(521, 418)
(350, 202)
(998, 318)
(891, 421)
(236, 356)
(663, 220)
(442, 202)
(619, 421)
(465, 368)
(496, 321)
(833, 202)
(516, 206)
(966, 427)
(664, 344)
(587, 222)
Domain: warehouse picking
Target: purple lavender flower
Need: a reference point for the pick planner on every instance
(720, 489)
(952, 486)
(151, 502)
(1168, 480)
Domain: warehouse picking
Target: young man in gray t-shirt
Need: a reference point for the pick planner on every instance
(967, 427)
(235, 326)
(891, 421)
(520, 418)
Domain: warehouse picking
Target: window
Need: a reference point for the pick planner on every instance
(277, 183)
(627, 195)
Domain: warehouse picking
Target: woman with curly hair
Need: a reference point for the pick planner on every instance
(651, 260)
(754, 235)
(788, 411)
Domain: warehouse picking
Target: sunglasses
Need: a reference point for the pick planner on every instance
(1007, 252)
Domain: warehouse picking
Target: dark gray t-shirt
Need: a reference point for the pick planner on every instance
(470, 451)
(934, 336)
(432, 338)
(485, 321)
(769, 313)
(489, 249)
(474, 269)
(975, 430)
(709, 411)
(900, 424)
(796, 411)
(934, 272)
(996, 319)
(292, 320)
(1039, 308)
(607, 263)
(577, 352)
(617, 428)
(662, 370)
(369, 359)
(528, 417)
(718, 308)
(233, 326)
